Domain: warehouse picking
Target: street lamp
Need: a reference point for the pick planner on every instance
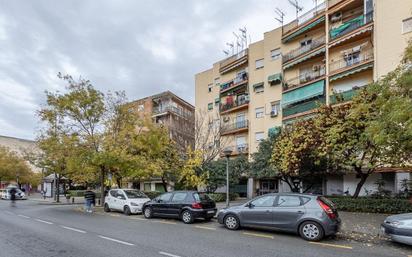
(227, 152)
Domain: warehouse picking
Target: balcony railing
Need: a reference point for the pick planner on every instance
(233, 61)
(303, 107)
(305, 78)
(343, 96)
(351, 25)
(352, 60)
(238, 102)
(238, 125)
(240, 79)
(178, 111)
(334, 2)
(304, 18)
(240, 149)
(304, 49)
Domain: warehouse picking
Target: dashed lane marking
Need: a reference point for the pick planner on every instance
(9, 212)
(258, 235)
(116, 240)
(169, 254)
(332, 245)
(24, 216)
(43, 221)
(165, 222)
(204, 227)
(74, 229)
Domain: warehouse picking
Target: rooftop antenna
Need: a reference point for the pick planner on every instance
(244, 35)
(295, 4)
(226, 52)
(231, 45)
(238, 45)
(280, 15)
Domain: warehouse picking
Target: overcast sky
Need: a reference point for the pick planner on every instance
(140, 46)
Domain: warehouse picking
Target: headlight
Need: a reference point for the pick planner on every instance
(395, 223)
(134, 204)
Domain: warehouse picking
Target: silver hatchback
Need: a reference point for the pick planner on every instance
(312, 217)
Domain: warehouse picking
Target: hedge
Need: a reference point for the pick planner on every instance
(80, 193)
(221, 197)
(372, 205)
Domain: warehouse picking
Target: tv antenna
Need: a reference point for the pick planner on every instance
(231, 45)
(226, 52)
(244, 35)
(295, 4)
(280, 15)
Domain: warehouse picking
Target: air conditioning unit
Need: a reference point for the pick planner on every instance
(274, 113)
(336, 17)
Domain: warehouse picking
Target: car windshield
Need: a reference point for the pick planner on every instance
(134, 194)
(201, 197)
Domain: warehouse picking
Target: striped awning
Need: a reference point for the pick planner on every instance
(303, 93)
(303, 29)
(370, 28)
(260, 84)
(304, 58)
(275, 78)
(351, 71)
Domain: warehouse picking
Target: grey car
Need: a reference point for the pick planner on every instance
(399, 228)
(312, 217)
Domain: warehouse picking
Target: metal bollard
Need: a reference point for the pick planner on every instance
(72, 200)
(98, 202)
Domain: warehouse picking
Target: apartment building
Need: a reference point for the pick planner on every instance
(175, 114)
(335, 48)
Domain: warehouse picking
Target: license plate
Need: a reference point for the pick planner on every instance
(210, 211)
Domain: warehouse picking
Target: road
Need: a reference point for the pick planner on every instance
(31, 229)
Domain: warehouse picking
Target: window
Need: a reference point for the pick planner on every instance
(201, 197)
(210, 106)
(352, 58)
(288, 201)
(209, 88)
(120, 195)
(259, 88)
(217, 81)
(147, 187)
(264, 201)
(259, 136)
(407, 25)
(259, 63)
(275, 54)
(140, 107)
(133, 194)
(113, 193)
(259, 112)
(274, 109)
(165, 197)
(241, 144)
(178, 197)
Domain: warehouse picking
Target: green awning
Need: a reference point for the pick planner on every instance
(349, 25)
(260, 84)
(303, 29)
(217, 100)
(275, 78)
(303, 93)
(351, 71)
(304, 58)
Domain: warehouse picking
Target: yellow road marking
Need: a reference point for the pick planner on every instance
(258, 235)
(165, 222)
(332, 245)
(204, 227)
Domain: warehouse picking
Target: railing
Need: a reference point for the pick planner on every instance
(304, 78)
(343, 96)
(233, 59)
(240, 149)
(304, 18)
(352, 60)
(303, 107)
(236, 103)
(351, 25)
(333, 2)
(178, 111)
(304, 49)
(240, 79)
(243, 124)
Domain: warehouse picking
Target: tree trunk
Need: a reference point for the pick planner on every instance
(361, 182)
(164, 184)
(119, 182)
(57, 177)
(102, 172)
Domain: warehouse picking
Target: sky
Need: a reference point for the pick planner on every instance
(142, 47)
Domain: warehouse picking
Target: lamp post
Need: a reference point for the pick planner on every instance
(227, 152)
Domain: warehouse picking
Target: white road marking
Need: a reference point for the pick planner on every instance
(115, 240)
(9, 212)
(43, 221)
(74, 229)
(24, 216)
(169, 254)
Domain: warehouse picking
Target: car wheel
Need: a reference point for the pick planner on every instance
(311, 231)
(106, 208)
(231, 222)
(187, 217)
(126, 210)
(148, 213)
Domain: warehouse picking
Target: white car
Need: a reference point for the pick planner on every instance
(126, 200)
(20, 195)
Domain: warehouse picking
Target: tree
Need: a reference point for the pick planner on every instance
(13, 167)
(260, 165)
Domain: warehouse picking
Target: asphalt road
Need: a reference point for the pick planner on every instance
(30, 229)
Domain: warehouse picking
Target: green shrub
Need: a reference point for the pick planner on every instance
(221, 197)
(80, 193)
(372, 205)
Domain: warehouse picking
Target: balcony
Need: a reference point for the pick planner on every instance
(354, 62)
(317, 42)
(234, 61)
(171, 109)
(231, 105)
(350, 26)
(304, 79)
(303, 108)
(235, 127)
(241, 79)
(343, 96)
(238, 149)
(303, 23)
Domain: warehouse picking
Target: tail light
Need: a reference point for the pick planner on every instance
(327, 209)
(197, 206)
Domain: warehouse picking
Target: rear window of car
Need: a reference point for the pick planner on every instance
(327, 201)
(201, 197)
(133, 194)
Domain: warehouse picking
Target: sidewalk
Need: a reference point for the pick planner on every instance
(50, 201)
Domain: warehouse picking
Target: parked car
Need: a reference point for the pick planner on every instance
(20, 195)
(126, 200)
(398, 228)
(311, 216)
(184, 205)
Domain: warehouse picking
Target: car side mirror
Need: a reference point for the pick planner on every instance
(158, 200)
(250, 205)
